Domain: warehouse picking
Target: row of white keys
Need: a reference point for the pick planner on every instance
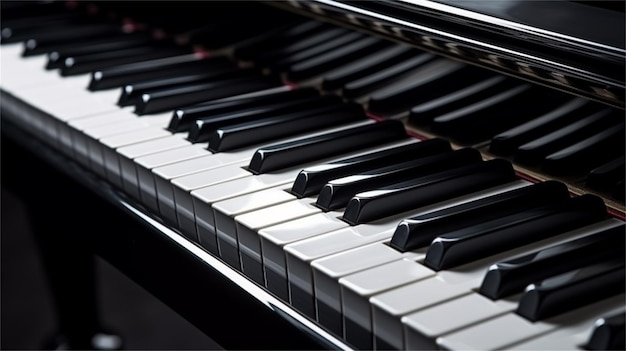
(106, 142)
(414, 304)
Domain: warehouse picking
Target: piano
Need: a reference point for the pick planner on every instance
(327, 174)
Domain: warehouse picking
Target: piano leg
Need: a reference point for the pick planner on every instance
(69, 268)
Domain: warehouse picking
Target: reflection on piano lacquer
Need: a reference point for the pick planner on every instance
(278, 147)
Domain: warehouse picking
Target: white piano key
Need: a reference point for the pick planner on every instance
(250, 223)
(63, 101)
(112, 143)
(183, 203)
(274, 238)
(224, 213)
(76, 141)
(164, 174)
(96, 135)
(145, 164)
(300, 254)
(357, 288)
(422, 328)
(390, 307)
(128, 154)
(510, 329)
(327, 272)
(204, 199)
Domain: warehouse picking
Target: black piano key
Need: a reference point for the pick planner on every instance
(336, 193)
(121, 75)
(132, 93)
(586, 154)
(279, 156)
(364, 85)
(169, 99)
(57, 57)
(482, 120)
(248, 50)
(420, 231)
(61, 30)
(485, 239)
(74, 65)
(280, 126)
(329, 45)
(571, 290)
(367, 65)
(430, 82)
(507, 142)
(533, 152)
(608, 333)
(12, 28)
(21, 29)
(385, 201)
(76, 36)
(510, 277)
(204, 128)
(335, 58)
(606, 176)
(273, 55)
(184, 118)
(311, 180)
(423, 114)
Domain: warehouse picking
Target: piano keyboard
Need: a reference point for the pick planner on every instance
(373, 187)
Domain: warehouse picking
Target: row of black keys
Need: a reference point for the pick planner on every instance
(563, 136)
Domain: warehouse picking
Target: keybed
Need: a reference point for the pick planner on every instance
(215, 149)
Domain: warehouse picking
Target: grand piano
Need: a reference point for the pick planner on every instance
(326, 174)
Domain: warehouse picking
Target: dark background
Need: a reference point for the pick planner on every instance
(27, 313)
